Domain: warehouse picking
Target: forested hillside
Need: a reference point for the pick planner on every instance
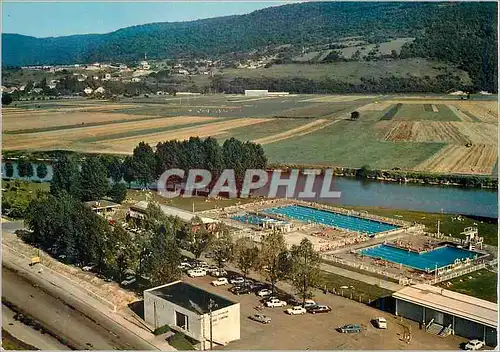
(462, 33)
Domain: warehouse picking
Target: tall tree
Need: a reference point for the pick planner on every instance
(66, 177)
(41, 171)
(118, 192)
(214, 159)
(144, 163)
(24, 168)
(199, 238)
(128, 171)
(222, 246)
(9, 169)
(305, 272)
(163, 264)
(122, 251)
(94, 181)
(246, 255)
(274, 260)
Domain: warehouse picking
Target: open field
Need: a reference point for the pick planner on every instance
(428, 132)
(478, 159)
(125, 145)
(481, 284)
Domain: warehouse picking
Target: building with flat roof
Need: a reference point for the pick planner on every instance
(256, 92)
(138, 210)
(443, 312)
(193, 311)
(103, 207)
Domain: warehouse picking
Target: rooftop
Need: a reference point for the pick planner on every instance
(102, 204)
(457, 304)
(186, 216)
(190, 297)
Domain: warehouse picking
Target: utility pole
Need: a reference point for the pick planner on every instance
(211, 305)
(438, 228)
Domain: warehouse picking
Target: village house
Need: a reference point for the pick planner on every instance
(88, 90)
(100, 90)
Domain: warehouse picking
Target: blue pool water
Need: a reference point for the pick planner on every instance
(329, 218)
(250, 219)
(439, 257)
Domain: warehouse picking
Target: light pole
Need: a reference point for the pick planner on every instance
(211, 305)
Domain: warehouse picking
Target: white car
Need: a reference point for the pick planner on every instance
(128, 280)
(474, 345)
(272, 303)
(219, 273)
(196, 273)
(297, 310)
(237, 281)
(88, 268)
(264, 292)
(184, 265)
(380, 323)
(220, 281)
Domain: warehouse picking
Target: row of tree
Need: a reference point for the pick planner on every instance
(26, 169)
(65, 226)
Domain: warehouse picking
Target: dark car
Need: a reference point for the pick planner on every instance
(350, 328)
(240, 290)
(319, 309)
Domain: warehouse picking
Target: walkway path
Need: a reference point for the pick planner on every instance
(391, 286)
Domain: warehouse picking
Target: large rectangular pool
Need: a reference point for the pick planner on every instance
(427, 261)
(329, 218)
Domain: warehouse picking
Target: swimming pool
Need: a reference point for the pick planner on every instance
(329, 218)
(438, 257)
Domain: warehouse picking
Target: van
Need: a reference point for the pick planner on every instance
(381, 323)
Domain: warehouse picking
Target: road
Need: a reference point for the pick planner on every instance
(62, 308)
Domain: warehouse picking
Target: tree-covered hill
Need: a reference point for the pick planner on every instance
(463, 33)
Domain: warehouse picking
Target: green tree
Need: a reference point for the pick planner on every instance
(222, 246)
(118, 192)
(66, 177)
(246, 255)
(354, 115)
(24, 168)
(122, 252)
(214, 159)
(41, 171)
(94, 181)
(114, 167)
(9, 169)
(274, 259)
(363, 172)
(165, 258)
(128, 171)
(305, 272)
(144, 163)
(199, 238)
(6, 99)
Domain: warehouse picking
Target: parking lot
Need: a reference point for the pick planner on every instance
(316, 332)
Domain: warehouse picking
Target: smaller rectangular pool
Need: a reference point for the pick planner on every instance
(428, 261)
(329, 218)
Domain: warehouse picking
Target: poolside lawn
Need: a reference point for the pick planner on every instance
(481, 284)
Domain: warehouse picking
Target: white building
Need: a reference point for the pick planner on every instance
(100, 90)
(144, 65)
(88, 90)
(192, 310)
(136, 79)
(256, 92)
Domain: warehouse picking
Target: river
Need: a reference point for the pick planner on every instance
(429, 198)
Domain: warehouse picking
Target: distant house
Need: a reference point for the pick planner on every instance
(100, 90)
(37, 90)
(88, 90)
(183, 71)
(96, 78)
(123, 67)
(136, 79)
(103, 207)
(144, 65)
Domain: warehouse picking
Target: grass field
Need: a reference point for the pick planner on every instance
(481, 284)
(428, 132)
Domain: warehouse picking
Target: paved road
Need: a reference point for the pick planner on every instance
(27, 334)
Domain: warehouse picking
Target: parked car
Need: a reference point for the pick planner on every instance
(474, 345)
(212, 269)
(257, 286)
(319, 309)
(297, 310)
(240, 290)
(275, 302)
(88, 268)
(350, 328)
(128, 280)
(237, 281)
(202, 265)
(264, 292)
(260, 318)
(196, 272)
(308, 303)
(185, 265)
(219, 273)
(220, 281)
(380, 323)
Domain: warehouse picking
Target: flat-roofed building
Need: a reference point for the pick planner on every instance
(103, 207)
(191, 310)
(256, 92)
(442, 311)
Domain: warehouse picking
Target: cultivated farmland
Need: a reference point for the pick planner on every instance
(433, 133)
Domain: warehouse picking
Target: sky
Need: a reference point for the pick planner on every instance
(47, 19)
